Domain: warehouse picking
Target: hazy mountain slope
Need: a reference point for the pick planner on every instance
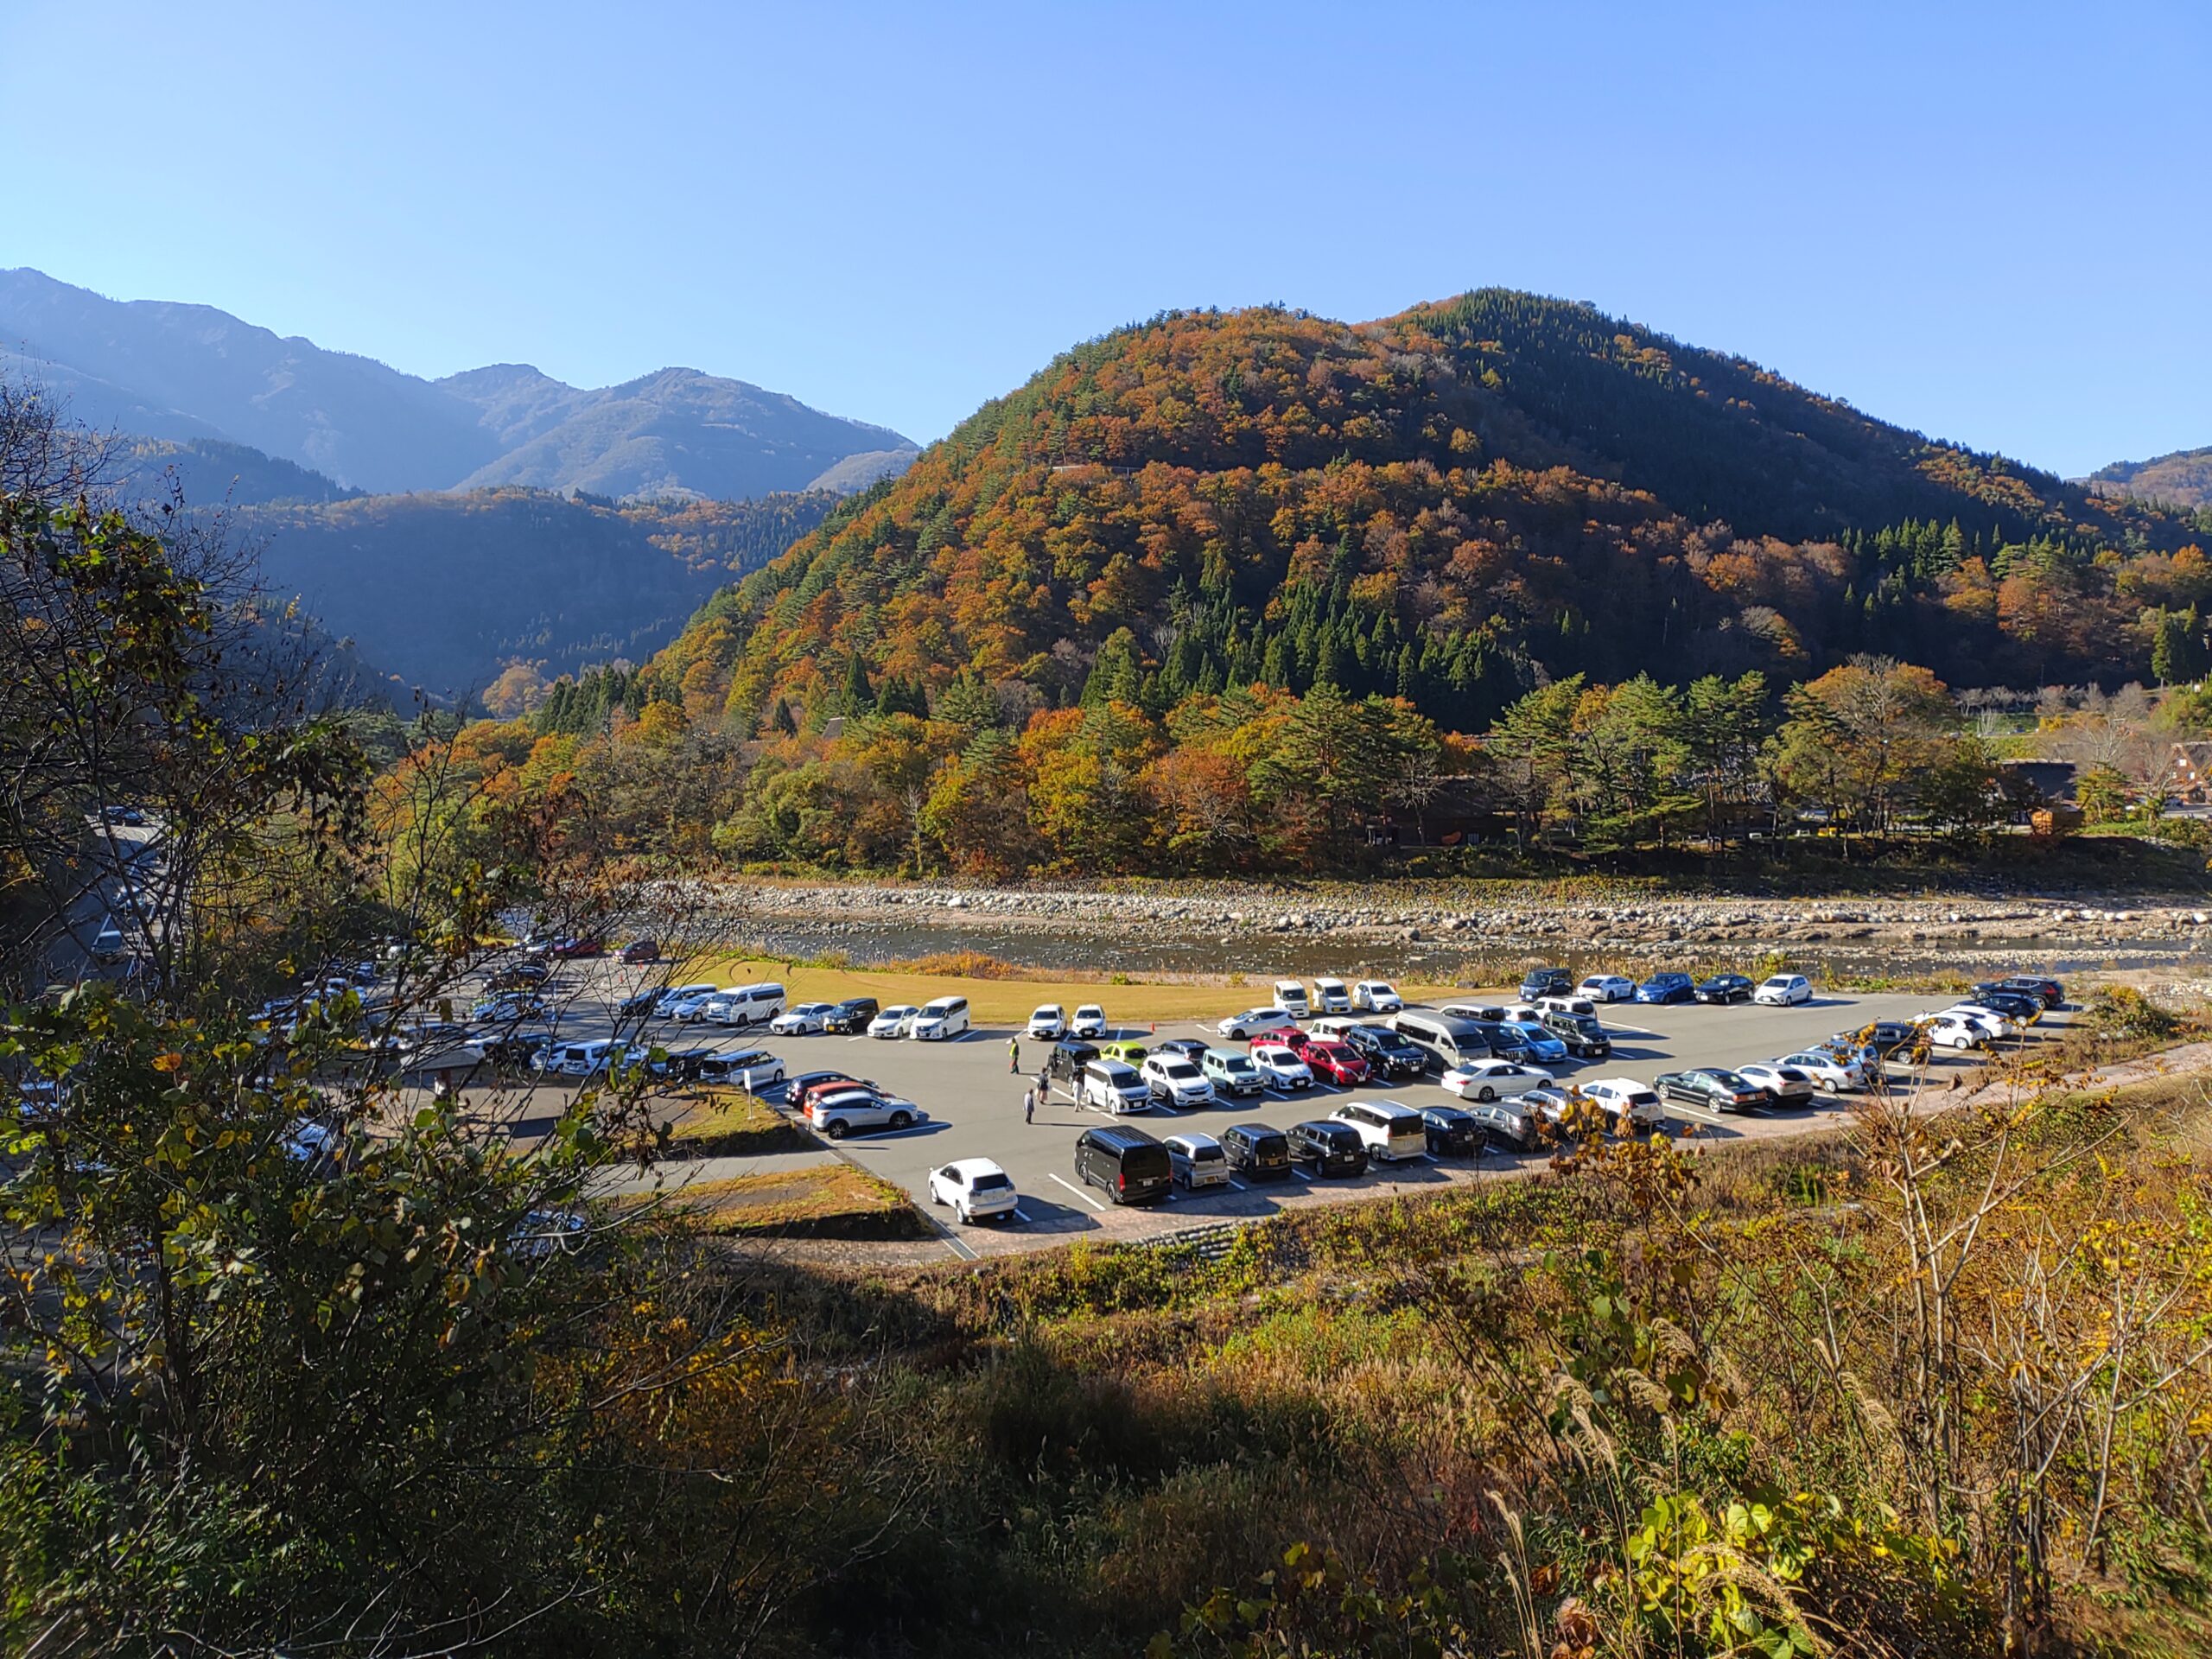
(350, 418)
(207, 471)
(442, 589)
(2183, 478)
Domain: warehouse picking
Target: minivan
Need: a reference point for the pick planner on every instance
(1444, 1039)
(1290, 996)
(1113, 1086)
(1256, 1152)
(746, 1005)
(1330, 1148)
(1330, 997)
(850, 1017)
(1196, 1161)
(1585, 1037)
(1066, 1062)
(1126, 1164)
(944, 1019)
(1390, 1132)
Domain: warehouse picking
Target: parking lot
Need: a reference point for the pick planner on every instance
(974, 1105)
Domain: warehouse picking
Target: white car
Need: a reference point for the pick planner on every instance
(1784, 991)
(941, 1020)
(1785, 1085)
(682, 997)
(894, 1022)
(1330, 997)
(839, 1113)
(691, 1009)
(1607, 987)
(975, 1189)
(1280, 1066)
(1392, 1133)
(1255, 1022)
(1196, 1160)
(754, 1068)
(1175, 1080)
(1376, 996)
(1048, 1024)
(721, 1007)
(1993, 1020)
(1831, 1073)
(1953, 1030)
(798, 1021)
(1492, 1079)
(1626, 1098)
(1090, 1021)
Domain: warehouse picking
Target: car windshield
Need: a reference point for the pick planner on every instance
(1181, 1071)
(1236, 1063)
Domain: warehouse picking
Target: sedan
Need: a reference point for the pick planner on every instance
(975, 1189)
(1723, 988)
(1782, 1085)
(1256, 1022)
(1667, 987)
(894, 1022)
(1280, 1066)
(1836, 1075)
(802, 1018)
(1492, 1079)
(1048, 1024)
(1715, 1088)
(1607, 987)
(1335, 1061)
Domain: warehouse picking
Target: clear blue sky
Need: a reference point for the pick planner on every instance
(1989, 221)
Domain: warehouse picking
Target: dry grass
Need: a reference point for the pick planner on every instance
(829, 1200)
(730, 1123)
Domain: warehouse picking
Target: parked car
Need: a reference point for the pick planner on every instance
(1831, 1072)
(1451, 1132)
(1066, 1062)
(1538, 1042)
(1999, 1025)
(573, 947)
(1048, 1024)
(1291, 998)
(1254, 1022)
(1568, 1004)
(748, 1004)
(509, 1010)
(1328, 1149)
(840, 1112)
(2049, 990)
(639, 950)
(1494, 1079)
(940, 1021)
(1386, 1053)
(1723, 988)
(801, 1020)
(894, 1022)
(1232, 1073)
(1257, 1152)
(1783, 1086)
(975, 1189)
(1376, 996)
(1714, 1088)
(2022, 1010)
(1608, 987)
(1175, 1080)
(1338, 1062)
(1127, 1049)
(1196, 1160)
(1784, 991)
(751, 1069)
(1888, 1037)
(800, 1092)
(1625, 1100)
(519, 1051)
(1667, 987)
(1391, 1133)
(1444, 1039)
(1953, 1031)
(1584, 1037)
(1488, 1013)
(1545, 982)
(110, 942)
(1123, 1162)
(681, 1001)
(852, 1017)
(1332, 996)
(519, 977)
(1112, 1086)
(637, 1005)
(1189, 1047)
(1280, 1065)
(1090, 1021)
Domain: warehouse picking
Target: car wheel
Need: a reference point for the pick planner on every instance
(837, 1129)
(901, 1120)
(1487, 1094)
(966, 1220)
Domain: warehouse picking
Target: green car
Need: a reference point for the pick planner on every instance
(1128, 1052)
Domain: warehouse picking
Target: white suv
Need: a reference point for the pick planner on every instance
(838, 1114)
(977, 1190)
(1625, 1099)
(1175, 1080)
(1255, 1022)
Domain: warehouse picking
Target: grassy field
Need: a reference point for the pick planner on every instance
(831, 1200)
(730, 1123)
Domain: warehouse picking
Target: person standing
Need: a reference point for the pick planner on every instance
(1029, 1104)
(1013, 1055)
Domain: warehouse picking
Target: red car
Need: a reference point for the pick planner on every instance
(1293, 1037)
(1333, 1061)
(641, 950)
(815, 1092)
(570, 948)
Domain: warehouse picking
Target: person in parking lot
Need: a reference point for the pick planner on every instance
(1013, 1055)
(1029, 1104)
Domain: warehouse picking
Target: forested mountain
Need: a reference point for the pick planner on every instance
(190, 371)
(209, 472)
(1452, 506)
(2183, 478)
(442, 589)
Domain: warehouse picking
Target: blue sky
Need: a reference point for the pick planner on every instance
(1987, 221)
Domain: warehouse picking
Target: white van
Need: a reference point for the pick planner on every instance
(1581, 1005)
(1330, 997)
(945, 1018)
(1290, 996)
(1390, 1132)
(1446, 1039)
(587, 1059)
(1112, 1086)
(746, 1005)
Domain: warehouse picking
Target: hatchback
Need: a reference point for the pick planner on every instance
(1196, 1160)
(1257, 1152)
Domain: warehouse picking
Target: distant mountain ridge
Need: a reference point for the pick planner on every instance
(2183, 478)
(162, 370)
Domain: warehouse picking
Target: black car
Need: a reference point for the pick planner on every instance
(1066, 1062)
(638, 1002)
(1189, 1047)
(1585, 1037)
(1256, 1152)
(1724, 988)
(1503, 1042)
(1546, 982)
(1452, 1132)
(1330, 1148)
(2017, 1006)
(1387, 1054)
(517, 1051)
(1128, 1165)
(1714, 1088)
(2049, 991)
(851, 1016)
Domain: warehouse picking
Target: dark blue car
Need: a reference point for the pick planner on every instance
(1667, 987)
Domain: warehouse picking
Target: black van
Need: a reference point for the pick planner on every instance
(1128, 1165)
(851, 1016)
(1066, 1062)
(1331, 1149)
(1256, 1152)
(1585, 1037)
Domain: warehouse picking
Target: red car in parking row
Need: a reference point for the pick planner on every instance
(1324, 1057)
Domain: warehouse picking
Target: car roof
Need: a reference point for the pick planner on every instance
(976, 1167)
(1120, 1135)
(1190, 1138)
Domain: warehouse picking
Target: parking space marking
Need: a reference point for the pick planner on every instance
(1080, 1193)
(1300, 1173)
(1238, 1185)
(958, 1247)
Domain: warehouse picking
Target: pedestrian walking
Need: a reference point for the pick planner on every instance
(1029, 1106)
(1013, 1055)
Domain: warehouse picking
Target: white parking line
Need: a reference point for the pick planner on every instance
(1300, 1173)
(1238, 1185)
(1080, 1193)
(1019, 1217)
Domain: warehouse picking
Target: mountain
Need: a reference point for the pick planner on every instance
(207, 471)
(185, 372)
(442, 589)
(2183, 478)
(1451, 505)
